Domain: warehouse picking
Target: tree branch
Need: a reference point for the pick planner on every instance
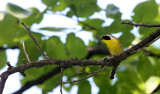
(34, 39)
(61, 80)
(39, 80)
(142, 25)
(114, 61)
(95, 72)
(26, 53)
(97, 50)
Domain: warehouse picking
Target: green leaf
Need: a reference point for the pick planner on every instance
(104, 84)
(17, 11)
(60, 6)
(90, 24)
(79, 1)
(84, 87)
(145, 12)
(129, 80)
(75, 46)
(31, 48)
(3, 58)
(52, 28)
(35, 17)
(55, 48)
(113, 12)
(50, 2)
(2, 15)
(50, 83)
(83, 10)
(126, 39)
(144, 32)
(11, 30)
(151, 84)
(117, 27)
(145, 68)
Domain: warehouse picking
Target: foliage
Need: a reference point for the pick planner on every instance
(135, 75)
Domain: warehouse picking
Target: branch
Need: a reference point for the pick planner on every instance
(149, 53)
(113, 72)
(61, 80)
(34, 39)
(97, 50)
(142, 25)
(4, 76)
(95, 72)
(114, 61)
(26, 53)
(39, 80)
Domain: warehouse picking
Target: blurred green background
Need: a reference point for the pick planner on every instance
(138, 74)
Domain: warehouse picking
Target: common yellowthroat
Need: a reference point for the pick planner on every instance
(114, 45)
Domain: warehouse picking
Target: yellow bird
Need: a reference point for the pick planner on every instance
(114, 45)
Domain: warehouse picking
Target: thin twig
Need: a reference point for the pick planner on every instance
(83, 72)
(40, 80)
(113, 72)
(146, 45)
(142, 25)
(85, 77)
(149, 53)
(26, 53)
(61, 80)
(9, 65)
(27, 28)
(24, 62)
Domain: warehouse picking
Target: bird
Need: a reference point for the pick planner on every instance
(114, 45)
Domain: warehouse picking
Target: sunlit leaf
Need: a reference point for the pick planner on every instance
(84, 87)
(126, 39)
(113, 12)
(151, 84)
(52, 28)
(145, 11)
(60, 6)
(75, 46)
(104, 84)
(2, 15)
(35, 17)
(116, 27)
(83, 10)
(3, 58)
(79, 1)
(146, 31)
(55, 48)
(17, 11)
(91, 24)
(143, 65)
(50, 2)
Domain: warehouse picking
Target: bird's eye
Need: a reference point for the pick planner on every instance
(106, 37)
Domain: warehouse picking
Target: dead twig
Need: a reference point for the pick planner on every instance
(24, 50)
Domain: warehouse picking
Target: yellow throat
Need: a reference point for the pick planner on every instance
(114, 45)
